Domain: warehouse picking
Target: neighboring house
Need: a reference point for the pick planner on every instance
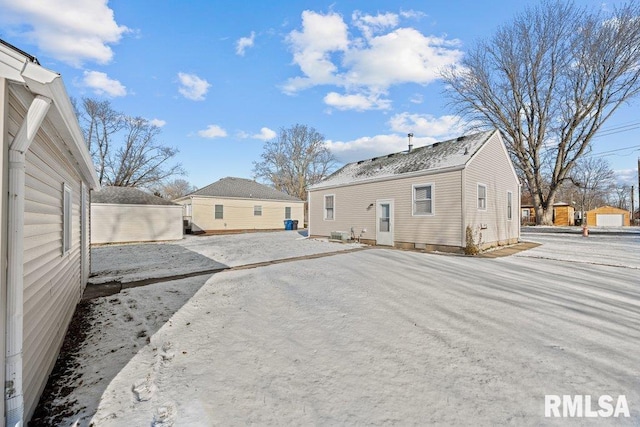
(424, 198)
(47, 175)
(563, 214)
(125, 214)
(235, 204)
(608, 216)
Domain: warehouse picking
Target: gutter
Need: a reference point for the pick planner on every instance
(14, 398)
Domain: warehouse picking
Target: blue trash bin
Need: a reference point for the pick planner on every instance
(288, 224)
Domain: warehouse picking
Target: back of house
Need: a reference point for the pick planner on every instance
(423, 198)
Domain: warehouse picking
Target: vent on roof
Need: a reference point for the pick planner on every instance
(360, 162)
(460, 138)
(435, 144)
(374, 159)
(391, 155)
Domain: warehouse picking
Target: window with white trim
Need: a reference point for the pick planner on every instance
(257, 210)
(329, 207)
(423, 199)
(482, 197)
(219, 212)
(509, 205)
(287, 212)
(66, 219)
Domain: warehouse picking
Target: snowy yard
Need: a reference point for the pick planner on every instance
(373, 337)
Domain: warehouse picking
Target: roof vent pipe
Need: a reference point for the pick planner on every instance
(410, 135)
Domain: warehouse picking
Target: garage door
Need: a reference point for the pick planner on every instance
(609, 220)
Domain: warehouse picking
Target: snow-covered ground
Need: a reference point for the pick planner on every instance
(373, 337)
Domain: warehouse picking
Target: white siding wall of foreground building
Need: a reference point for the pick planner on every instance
(45, 212)
(434, 194)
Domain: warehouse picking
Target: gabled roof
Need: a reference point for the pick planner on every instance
(241, 188)
(26, 75)
(445, 155)
(127, 196)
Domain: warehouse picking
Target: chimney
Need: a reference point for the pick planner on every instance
(410, 135)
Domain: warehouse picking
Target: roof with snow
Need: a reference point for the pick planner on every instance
(440, 155)
(127, 196)
(242, 188)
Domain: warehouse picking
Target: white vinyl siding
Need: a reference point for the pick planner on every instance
(423, 199)
(329, 207)
(219, 212)
(239, 213)
(482, 197)
(257, 210)
(119, 223)
(53, 284)
(358, 210)
(287, 212)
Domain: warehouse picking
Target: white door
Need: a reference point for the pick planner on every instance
(609, 220)
(384, 222)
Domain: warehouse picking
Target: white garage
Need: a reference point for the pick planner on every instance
(609, 220)
(124, 214)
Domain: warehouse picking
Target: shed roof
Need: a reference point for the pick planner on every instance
(438, 156)
(242, 188)
(127, 196)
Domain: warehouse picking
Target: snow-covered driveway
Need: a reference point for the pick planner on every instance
(391, 337)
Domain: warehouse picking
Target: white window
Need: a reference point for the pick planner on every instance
(257, 210)
(329, 207)
(509, 205)
(219, 212)
(482, 197)
(66, 219)
(423, 199)
(287, 212)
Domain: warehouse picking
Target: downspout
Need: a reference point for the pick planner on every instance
(14, 399)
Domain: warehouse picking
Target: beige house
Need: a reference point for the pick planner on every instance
(424, 198)
(47, 175)
(236, 204)
(124, 214)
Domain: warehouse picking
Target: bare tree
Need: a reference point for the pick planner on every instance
(176, 188)
(298, 157)
(594, 180)
(619, 197)
(124, 149)
(548, 81)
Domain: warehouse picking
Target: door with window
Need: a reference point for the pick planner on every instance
(384, 222)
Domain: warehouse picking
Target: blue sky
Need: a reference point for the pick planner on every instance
(221, 77)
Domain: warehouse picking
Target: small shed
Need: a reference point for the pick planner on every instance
(607, 216)
(238, 204)
(434, 197)
(563, 214)
(125, 214)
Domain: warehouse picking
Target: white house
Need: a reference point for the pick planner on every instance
(235, 204)
(424, 198)
(125, 214)
(47, 175)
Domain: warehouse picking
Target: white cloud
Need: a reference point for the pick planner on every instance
(442, 127)
(212, 131)
(157, 122)
(417, 98)
(265, 134)
(193, 87)
(102, 84)
(358, 102)
(426, 130)
(626, 176)
(68, 30)
(244, 42)
(366, 66)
